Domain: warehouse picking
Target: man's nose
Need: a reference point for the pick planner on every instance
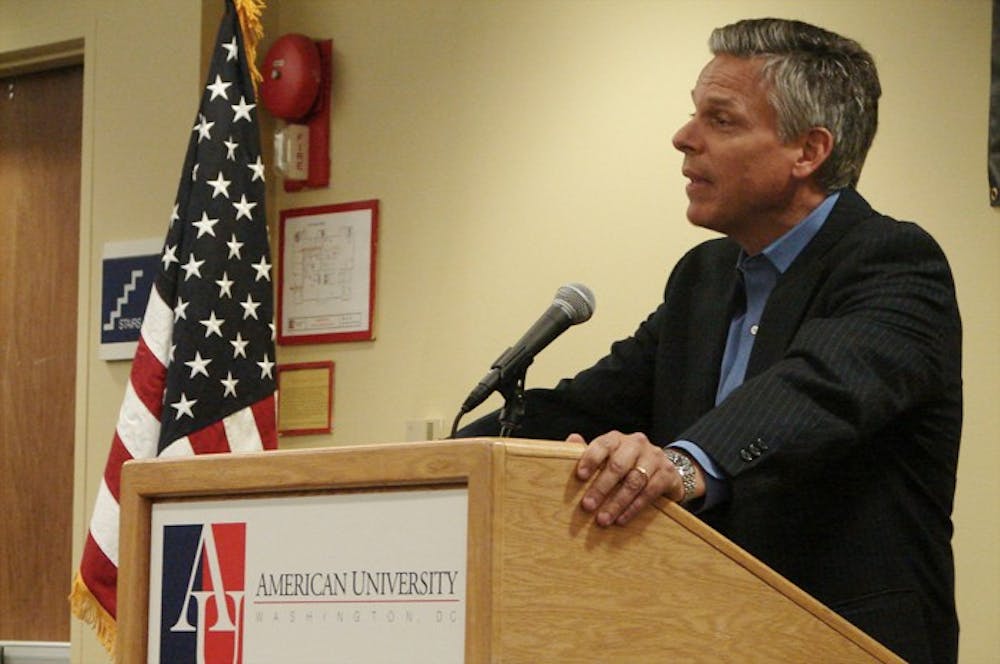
(684, 138)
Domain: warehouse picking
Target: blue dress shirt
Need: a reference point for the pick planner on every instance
(758, 274)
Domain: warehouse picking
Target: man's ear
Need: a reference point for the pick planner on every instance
(817, 143)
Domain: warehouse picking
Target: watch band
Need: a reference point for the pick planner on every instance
(685, 469)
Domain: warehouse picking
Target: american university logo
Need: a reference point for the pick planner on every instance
(203, 595)
(255, 582)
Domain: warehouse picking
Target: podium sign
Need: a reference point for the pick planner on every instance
(351, 577)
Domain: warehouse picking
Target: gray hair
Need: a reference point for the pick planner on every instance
(817, 79)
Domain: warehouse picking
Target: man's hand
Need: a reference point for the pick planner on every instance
(630, 472)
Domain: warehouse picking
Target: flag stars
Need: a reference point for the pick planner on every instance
(218, 308)
(239, 346)
(192, 267)
(220, 185)
(231, 49)
(231, 146)
(205, 225)
(169, 256)
(243, 208)
(212, 325)
(265, 367)
(263, 269)
(230, 384)
(184, 406)
(234, 247)
(225, 285)
(199, 365)
(242, 110)
(258, 170)
(249, 308)
(218, 88)
(203, 127)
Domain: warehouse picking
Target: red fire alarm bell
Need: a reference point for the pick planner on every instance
(296, 89)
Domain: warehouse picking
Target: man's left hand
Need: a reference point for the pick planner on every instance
(629, 473)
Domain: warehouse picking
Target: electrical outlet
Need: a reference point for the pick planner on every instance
(424, 429)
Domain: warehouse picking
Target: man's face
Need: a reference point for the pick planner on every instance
(740, 172)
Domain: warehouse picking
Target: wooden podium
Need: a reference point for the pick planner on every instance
(544, 583)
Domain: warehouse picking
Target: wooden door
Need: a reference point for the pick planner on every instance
(40, 130)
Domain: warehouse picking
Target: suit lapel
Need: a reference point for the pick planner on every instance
(795, 289)
(717, 300)
(782, 317)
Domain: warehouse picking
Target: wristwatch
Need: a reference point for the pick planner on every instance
(685, 469)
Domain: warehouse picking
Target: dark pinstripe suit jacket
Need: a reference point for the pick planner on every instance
(841, 446)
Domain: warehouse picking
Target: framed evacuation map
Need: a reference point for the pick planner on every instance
(326, 278)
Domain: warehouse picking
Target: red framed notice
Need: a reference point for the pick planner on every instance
(326, 277)
(305, 398)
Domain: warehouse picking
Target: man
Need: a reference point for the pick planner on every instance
(799, 388)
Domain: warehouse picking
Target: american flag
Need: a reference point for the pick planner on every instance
(203, 376)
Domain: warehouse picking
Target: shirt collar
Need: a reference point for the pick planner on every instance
(782, 252)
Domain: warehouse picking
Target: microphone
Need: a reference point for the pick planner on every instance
(574, 303)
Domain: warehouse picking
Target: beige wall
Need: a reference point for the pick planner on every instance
(516, 146)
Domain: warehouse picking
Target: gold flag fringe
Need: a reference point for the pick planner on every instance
(85, 606)
(249, 12)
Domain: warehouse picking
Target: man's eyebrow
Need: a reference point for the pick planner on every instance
(717, 100)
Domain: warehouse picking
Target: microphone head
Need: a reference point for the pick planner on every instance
(577, 301)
